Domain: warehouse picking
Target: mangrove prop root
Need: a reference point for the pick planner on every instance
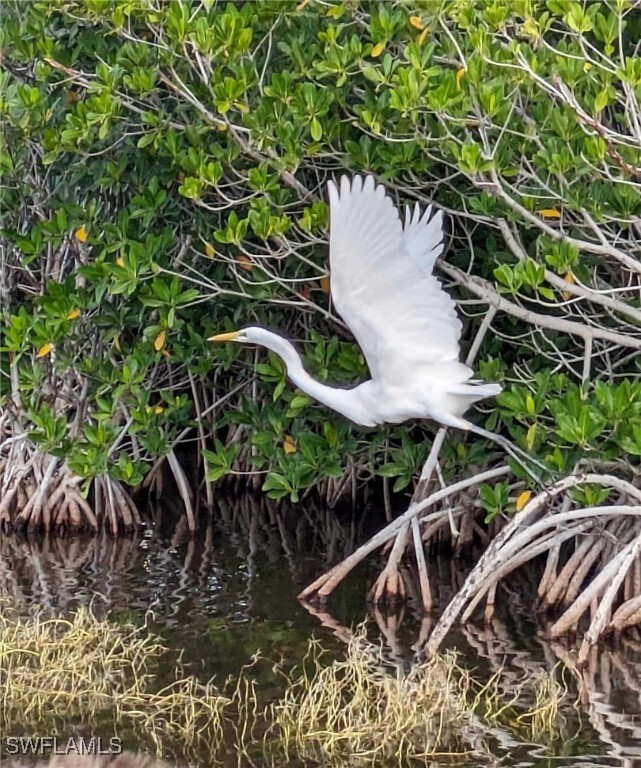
(627, 614)
(587, 600)
(581, 572)
(581, 556)
(544, 526)
(43, 495)
(551, 565)
(427, 603)
(604, 610)
(325, 584)
(40, 492)
(390, 584)
(490, 604)
(183, 488)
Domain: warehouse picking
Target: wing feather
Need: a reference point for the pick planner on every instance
(382, 282)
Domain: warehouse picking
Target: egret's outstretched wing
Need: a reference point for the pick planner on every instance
(423, 235)
(382, 282)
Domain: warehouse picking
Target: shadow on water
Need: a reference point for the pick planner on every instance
(229, 593)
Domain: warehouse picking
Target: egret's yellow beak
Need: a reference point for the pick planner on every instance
(231, 336)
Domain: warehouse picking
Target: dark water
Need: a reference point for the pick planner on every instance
(230, 593)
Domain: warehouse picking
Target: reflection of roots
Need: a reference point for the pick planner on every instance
(601, 682)
(40, 492)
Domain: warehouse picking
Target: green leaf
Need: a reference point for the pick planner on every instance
(601, 101)
(316, 129)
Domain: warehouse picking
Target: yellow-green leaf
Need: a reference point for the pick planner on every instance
(529, 405)
(210, 251)
(601, 100)
(377, 50)
(569, 278)
(316, 129)
(459, 75)
(531, 437)
(530, 28)
(73, 314)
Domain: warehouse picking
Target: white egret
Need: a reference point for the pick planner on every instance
(383, 286)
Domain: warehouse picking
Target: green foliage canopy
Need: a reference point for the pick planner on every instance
(164, 167)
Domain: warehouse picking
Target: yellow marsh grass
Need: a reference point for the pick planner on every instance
(57, 669)
(356, 707)
(540, 720)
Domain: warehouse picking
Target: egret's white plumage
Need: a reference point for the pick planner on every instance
(383, 286)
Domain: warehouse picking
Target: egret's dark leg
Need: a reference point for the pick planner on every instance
(521, 457)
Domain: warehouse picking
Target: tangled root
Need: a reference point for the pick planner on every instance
(593, 570)
(39, 491)
(598, 585)
(43, 495)
(115, 505)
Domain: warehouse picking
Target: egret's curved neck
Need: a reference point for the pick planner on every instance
(348, 402)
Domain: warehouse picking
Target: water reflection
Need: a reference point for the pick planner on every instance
(229, 592)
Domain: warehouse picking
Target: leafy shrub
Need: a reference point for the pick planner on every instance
(164, 170)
